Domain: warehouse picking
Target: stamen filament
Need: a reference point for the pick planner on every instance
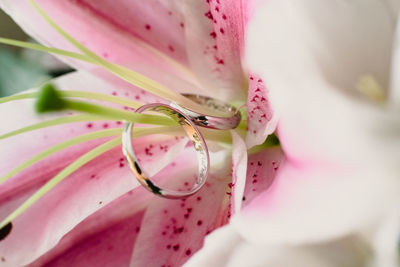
(38, 47)
(79, 94)
(61, 176)
(46, 49)
(116, 114)
(84, 138)
(125, 73)
(49, 123)
(58, 147)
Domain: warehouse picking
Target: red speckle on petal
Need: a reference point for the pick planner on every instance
(222, 30)
(182, 24)
(171, 48)
(188, 252)
(209, 15)
(199, 222)
(217, 9)
(114, 93)
(147, 151)
(176, 247)
(224, 16)
(89, 125)
(148, 27)
(213, 35)
(105, 125)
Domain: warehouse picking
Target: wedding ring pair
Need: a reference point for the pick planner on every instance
(188, 120)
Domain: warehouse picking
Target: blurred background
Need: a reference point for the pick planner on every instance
(21, 69)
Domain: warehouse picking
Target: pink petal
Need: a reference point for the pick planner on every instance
(214, 43)
(261, 120)
(105, 238)
(173, 230)
(262, 170)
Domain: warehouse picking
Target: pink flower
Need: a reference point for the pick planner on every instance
(99, 216)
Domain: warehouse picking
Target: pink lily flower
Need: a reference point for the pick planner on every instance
(332, 71)
(99, 216)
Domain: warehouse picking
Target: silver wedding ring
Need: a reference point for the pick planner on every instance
(193, 134)
(231, 121)
(187, 119)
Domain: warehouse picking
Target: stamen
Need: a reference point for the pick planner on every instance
(125, 73)
(49, 100)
